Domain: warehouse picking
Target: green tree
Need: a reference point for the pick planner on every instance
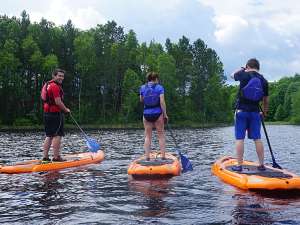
(206, 64)
(85, 65)
(277, 94)
(130, 96)
(181, 52)
(105, 67)
(131, 46)
(216, 101)
(296, 107)
(167, 75)
(10, 82)
(280, 113)
(292, 88)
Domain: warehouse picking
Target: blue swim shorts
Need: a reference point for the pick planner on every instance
(247, 121)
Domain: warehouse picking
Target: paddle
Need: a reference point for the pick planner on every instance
(185, 162)
(274, 164)
(92, 144)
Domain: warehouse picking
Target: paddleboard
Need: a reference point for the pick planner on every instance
(72, 160)
(250, 178)
(155, 167)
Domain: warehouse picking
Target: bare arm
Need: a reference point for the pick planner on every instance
(265, 102)
(141, 99)
(163, 105)
(61, 105)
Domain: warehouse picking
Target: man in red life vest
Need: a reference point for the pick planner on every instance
(52, 96)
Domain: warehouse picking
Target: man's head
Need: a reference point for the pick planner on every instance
(252, 64)
(58, 75)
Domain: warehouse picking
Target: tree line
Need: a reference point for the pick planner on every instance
(285, 100)
(105, 68)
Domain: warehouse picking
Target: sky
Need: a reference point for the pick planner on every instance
(268, 30)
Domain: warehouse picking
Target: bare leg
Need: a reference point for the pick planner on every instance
(239, 151)
(159, 124)
(46, 146)
(56, 146)
(260, 151)
(148, 137)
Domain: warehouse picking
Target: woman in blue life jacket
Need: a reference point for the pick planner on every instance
(155, 113)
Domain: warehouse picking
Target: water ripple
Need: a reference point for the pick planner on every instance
(104, 194)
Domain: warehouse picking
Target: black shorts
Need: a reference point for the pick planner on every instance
(152, 117)
(54, 124)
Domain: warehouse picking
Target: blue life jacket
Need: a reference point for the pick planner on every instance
(151, 97)
(253, 91)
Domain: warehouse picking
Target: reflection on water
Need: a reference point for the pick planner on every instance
(50, 186)
(105, 194)
(154, 192)
(265, 207)
(250, 211)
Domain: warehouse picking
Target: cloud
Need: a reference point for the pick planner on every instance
(268, 30)
(83, 15)
(160, 20)
(229, 27)
(280, 16)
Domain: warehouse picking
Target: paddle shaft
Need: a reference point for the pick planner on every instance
(86, 137)
(267, 137)
(172, 135)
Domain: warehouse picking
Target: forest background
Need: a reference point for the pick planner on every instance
(105, 68)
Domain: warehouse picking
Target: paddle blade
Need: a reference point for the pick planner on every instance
(93, 145)
(185, 163)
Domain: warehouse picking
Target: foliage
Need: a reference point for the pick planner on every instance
(296, 107)
(283, 98)
(280, 113)
(130, 100)
(106, 67)
(23, 122)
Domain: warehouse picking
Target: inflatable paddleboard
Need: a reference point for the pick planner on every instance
(155, 167)
(72, 160)
(250, 178)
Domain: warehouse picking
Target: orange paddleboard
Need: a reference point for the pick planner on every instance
(156, 166)
(250, 178)
(72, 160)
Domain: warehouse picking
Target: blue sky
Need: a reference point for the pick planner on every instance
(237, 29)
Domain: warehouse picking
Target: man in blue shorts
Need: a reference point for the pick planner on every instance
(252, 90)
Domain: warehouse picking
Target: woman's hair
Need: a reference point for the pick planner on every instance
(152, 76)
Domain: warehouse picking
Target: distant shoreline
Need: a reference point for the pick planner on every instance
(71, 127)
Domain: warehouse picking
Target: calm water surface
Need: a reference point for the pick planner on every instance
(105, 194)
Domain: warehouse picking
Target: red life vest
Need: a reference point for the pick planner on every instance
(48, 99)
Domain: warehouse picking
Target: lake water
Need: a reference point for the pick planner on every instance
(105, 194)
